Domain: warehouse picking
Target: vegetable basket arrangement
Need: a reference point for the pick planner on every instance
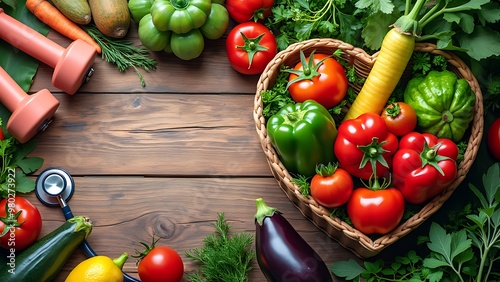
(361, 244)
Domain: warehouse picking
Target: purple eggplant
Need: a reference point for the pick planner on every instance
(282, 254)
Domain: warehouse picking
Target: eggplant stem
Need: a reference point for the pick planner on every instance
(263, 211)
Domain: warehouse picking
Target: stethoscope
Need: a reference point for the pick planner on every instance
(55, 187)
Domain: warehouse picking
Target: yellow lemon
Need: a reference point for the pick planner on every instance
(98, 269)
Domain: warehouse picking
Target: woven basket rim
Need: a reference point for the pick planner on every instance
(359, 243)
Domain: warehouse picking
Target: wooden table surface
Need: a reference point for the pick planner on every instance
(164, 159)
(167, 158)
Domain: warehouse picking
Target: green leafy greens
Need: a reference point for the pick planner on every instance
(15, 166)
(467, 254)
(223, 257)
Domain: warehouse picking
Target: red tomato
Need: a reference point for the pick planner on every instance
(160, 264)
(250, 47)
(2, 136)
(20, 223)
(376, 211)
(331, 187)
(424, 166)
(364, 140)
(494, 139)
(400, 118)
(248, 10)
(322, 79)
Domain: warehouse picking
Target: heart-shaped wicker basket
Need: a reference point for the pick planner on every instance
(361, 244)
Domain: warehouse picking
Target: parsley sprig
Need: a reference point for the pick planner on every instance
(470, 253)
(14, 164)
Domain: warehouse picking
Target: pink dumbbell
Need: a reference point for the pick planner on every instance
(72, 65)
(30, 113)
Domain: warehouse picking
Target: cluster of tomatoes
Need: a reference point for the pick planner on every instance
(250, 45)
(397, 165)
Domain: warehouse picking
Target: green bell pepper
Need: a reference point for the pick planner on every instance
(444, 104)
(303, 135)
(180, 16)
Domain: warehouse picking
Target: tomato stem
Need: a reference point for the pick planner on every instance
(373, 154)
(326, 170)
(394, 110)
(430, 156)
(309, 69)
(10, 220)
(252, 46)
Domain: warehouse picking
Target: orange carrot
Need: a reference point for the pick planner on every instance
(52, 17)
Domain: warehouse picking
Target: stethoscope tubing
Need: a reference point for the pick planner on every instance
(68, 214)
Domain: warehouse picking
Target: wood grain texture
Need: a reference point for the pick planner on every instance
(164, 159)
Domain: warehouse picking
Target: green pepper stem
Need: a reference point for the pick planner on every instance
(120, 261)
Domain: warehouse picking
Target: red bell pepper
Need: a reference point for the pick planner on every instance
(249, 10)
(362, 140)
(424, 166)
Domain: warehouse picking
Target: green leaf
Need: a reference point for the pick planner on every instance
(376, 27)
(374, 267)
(435, 276)
(10, 3)
(23, 183)
(347, 269)
(29, 165)
(349, 27)
(482, 199)
(434, 263)
(471, 5)
(20, 66)
(440, 242)
(479, 221)
(465, 21)
(459, 243)
(489, 13)
(491, 182)
(384, 6)
(482, 43)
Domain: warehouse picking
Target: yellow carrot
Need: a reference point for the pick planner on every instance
(387, 70)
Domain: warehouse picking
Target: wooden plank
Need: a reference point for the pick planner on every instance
(153, 134)
(127, 210)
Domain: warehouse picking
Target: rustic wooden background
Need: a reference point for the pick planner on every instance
(167, 158)
(164, 159)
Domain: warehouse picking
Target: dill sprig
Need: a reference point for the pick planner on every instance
(122, 53)
(223, 257)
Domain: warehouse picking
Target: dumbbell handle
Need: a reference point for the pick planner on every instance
(11, 94)
(29, 40)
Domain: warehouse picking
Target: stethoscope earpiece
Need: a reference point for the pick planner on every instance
(54, 184)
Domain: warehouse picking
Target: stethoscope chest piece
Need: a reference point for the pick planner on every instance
(54, 182)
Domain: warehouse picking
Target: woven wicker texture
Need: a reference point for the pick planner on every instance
(362, 245)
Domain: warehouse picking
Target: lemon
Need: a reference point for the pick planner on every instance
(98, 269)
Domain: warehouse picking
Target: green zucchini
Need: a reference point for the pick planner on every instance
(43, 260)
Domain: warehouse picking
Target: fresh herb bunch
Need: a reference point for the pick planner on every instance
(223, 257)
(14, 164)
(471, 253)
(122, 53)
